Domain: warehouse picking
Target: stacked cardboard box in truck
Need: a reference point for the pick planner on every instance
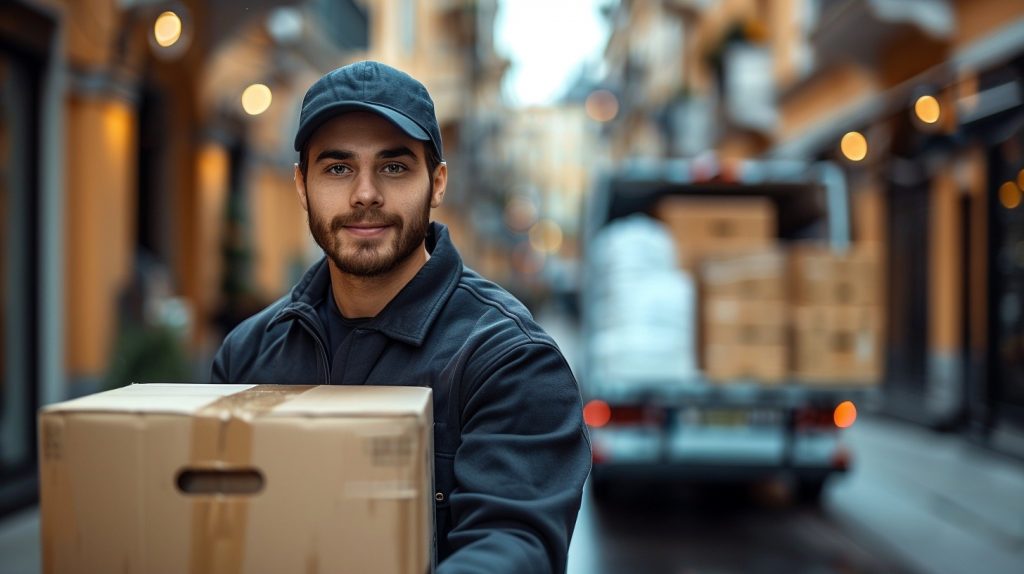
(839, 344)
(768, 312)
(238, 478)
(822, 276)
(837, 315)
(727, 240)
(708, 226)
(745, 316)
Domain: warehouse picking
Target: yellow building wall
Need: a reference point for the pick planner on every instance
(212, 172)
(99, 225)
(281, 231)
(977, 18)
(908, 55)
(868, 206)
(825, 96)
(974, 166)
(430, 54)
(870, 229)
(92, 27)
(786, 38)
(945, 265)
(716, 20)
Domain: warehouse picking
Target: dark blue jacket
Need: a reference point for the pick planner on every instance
(511, 449)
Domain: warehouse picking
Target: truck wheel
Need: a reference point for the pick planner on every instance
(809, 491)
(600, 489)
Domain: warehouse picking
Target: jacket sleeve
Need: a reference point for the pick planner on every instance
(520, 467)
(219, 370)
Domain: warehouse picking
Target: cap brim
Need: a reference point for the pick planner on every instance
(411, 128)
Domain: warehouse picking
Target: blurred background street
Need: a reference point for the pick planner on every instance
(781, 243)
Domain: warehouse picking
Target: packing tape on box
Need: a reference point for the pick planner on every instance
(222, 438)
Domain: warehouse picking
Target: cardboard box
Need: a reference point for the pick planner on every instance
(732, 321)
(760, 363)
(746, 340)
(821, 276)
(758, 274)
(703, 226)
(238, 478)
(838, 344)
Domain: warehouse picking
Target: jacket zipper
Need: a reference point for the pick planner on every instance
(321, 346)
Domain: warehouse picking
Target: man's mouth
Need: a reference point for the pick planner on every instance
(366, 229)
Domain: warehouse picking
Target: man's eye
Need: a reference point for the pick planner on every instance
(393, 168)
(337, 169)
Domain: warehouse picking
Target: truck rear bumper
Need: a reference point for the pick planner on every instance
(680, 471)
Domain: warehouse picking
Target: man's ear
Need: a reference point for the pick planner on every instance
(440, 184)
(300, 188)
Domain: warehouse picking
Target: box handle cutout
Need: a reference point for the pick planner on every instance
(211, 481)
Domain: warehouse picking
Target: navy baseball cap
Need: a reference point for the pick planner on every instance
(374, 87)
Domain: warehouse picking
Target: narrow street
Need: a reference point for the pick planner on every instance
(715, 530)
(914, 501)
(780, 243)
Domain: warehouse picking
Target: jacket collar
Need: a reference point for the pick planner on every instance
(409, 316)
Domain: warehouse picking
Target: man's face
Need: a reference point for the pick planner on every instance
(368, 193)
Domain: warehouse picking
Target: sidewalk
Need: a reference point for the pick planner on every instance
(20, 551)
(939, 502)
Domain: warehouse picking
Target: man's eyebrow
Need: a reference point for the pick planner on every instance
(396, 152)
(335, 154)
(391, 153)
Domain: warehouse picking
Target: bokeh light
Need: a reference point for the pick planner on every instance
(256, 99)
(1009, 195)
(602, 106)
(167, 29)
(546, 236)
(854, 146)
(927, 109)
(520, 214)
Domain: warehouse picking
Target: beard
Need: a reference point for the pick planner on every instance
(369, 257)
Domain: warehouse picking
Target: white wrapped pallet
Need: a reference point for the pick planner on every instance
(642, 307)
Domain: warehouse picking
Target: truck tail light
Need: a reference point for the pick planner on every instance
(597, 413)
(845, 414)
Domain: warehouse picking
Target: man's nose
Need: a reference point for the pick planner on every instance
(366, 193)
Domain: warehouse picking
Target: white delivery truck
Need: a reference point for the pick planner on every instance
(653, 409)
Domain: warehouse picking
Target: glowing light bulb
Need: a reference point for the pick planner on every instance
(256, 99)
(167, 29)
(854, 146)
(927, 109)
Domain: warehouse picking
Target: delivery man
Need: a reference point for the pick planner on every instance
(393, 304)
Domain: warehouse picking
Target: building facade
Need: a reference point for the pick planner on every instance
(144, 209)
(937, 192)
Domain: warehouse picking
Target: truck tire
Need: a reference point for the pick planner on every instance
(600, 489)
(809, 491)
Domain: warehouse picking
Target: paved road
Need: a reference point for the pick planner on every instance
(914, 501)
(704, 529)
